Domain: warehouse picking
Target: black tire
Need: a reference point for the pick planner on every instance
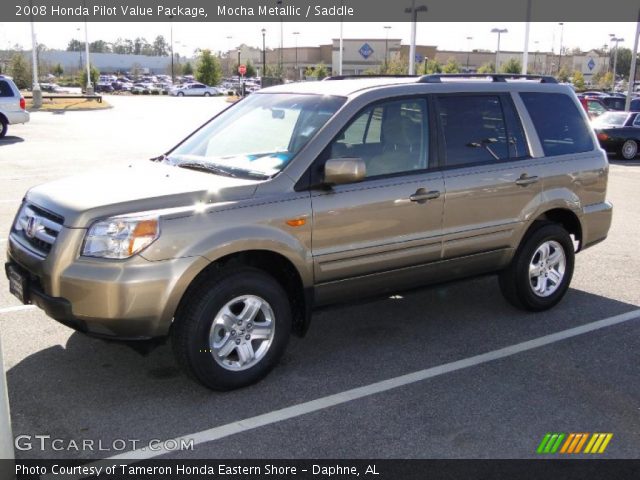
(194, 319)
(180, 94)
(515, 283)
(4, 126)
(628, 150)
(207, 94)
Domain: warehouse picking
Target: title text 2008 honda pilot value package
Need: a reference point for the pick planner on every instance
(307, 194)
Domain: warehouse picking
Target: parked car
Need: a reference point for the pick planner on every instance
(619, 133)
(613, 102)
(194, 90)
(141, 89)
(104, 88)
(12, 105)
(308, 194)
(593, 105)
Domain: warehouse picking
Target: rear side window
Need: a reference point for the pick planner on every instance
(474, 129)
(5, 89)
(558, 122)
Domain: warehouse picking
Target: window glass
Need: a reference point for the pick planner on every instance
(558, 122)
(636, 121)
(390, 137)
(5, 89)
(474, 129)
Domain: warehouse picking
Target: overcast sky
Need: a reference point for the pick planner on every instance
(446, 36)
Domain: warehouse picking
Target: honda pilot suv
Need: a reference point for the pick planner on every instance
(307, 194)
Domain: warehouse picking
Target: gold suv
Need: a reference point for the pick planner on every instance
(307, 194)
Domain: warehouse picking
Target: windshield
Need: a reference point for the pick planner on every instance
(259, 136)
(616, 119)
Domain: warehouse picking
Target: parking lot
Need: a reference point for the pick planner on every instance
(498, 405)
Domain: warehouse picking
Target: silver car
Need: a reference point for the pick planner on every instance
(12, 105)
(194, 90)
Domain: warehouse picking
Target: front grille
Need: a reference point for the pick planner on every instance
(38, 228)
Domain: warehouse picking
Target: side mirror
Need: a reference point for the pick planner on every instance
(339, 171)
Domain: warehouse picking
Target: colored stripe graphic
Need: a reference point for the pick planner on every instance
(572, 443)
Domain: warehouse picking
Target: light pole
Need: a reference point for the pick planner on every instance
(499, 31)
(386, 47)
(535, 57)
(414, 20)
(295, 34)
(280, 58)
(173, 76)
(264, 54)
(230, 72)
(35, 88)
(560, 52)
(468, 51)
(617, 40)
(86, 54)
(634, 58)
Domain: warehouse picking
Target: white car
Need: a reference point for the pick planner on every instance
(12, 105)
(194, 90)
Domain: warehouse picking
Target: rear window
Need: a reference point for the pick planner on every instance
(558, 122)
(5, 89)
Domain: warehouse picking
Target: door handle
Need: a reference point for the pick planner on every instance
(525, 180)
(422, 195)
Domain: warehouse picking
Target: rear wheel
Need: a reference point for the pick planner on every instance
(541, 270)
(232, 329)
(181, 94)
(4, 126)
(207, 94)
(629, 149)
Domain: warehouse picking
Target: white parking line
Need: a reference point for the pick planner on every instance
(293, 411)
(16, 309)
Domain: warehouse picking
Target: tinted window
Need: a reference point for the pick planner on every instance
(615, 103)
(390, 137)
(5, 89)
(558, 122)
(474, 129)
(636, 121)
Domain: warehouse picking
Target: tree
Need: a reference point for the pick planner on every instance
(512, 66)
(488, 67)
(187, 68)
(564, 74)
(209, 70)
(57, 70)
(20, 71)
(397, 65)
(578, 79)
(623, 66)
(605, 80)
(123, 46)
(95, 74)
(160, 47)
(318, 71)
(75, 45)
(452, 66)
(99, 46)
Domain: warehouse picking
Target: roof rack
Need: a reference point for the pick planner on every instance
(347, 77)
(494, 77)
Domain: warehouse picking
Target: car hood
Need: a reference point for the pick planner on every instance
(81, 199)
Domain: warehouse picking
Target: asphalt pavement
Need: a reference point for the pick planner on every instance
(75, 388)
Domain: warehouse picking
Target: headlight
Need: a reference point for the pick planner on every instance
(121, 237)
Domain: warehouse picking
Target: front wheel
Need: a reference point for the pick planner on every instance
(4, 126)
(180, 94)
(207, 94)
(629, 149)
(541, 270)
(232, 329)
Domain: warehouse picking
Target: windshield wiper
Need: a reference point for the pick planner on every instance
(207, 167)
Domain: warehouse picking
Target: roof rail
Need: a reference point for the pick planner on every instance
(347, 77)
(494, 77)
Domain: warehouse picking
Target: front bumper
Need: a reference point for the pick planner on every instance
(126, 299)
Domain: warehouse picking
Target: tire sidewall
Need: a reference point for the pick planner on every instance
(537, 237)
(622, 150)
(4, 127)
(204, 366)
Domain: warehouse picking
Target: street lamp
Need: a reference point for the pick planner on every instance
(616, 40)
(386, 47)
(535, 57)
(280, 58)
(264, 54)
(36, 93)
(468, 51)
(173, 77)
(295, 34)
(499, 31)
(414, 20)
(560, 52)
(229, 37)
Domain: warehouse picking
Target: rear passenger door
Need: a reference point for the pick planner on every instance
(491, 181)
